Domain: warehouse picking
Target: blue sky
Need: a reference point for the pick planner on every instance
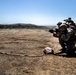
(40, 12)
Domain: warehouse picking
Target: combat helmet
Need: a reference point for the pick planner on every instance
(59, 23)
(63, 28)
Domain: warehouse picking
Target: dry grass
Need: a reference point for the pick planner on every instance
(28, 41)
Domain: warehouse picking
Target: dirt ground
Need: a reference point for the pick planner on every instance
(32, 42)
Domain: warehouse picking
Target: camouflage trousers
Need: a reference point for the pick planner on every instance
(67, 46)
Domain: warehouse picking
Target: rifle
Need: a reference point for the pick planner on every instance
(55, 32)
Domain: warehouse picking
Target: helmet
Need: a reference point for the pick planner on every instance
(63, 28)
(59, 23)
(65, 20)
(69, 18)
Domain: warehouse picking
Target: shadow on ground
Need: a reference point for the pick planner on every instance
(65, 55)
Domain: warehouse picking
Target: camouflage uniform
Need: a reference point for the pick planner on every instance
(56, 30)
(66, 39)
(70, 22)
(66, 34)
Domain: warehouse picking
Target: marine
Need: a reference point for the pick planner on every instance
(66, 34)
(66, 40)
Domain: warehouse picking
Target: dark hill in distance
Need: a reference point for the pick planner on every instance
(21, 25)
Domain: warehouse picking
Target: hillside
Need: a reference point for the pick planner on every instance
(32, 42)
(20, 25)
